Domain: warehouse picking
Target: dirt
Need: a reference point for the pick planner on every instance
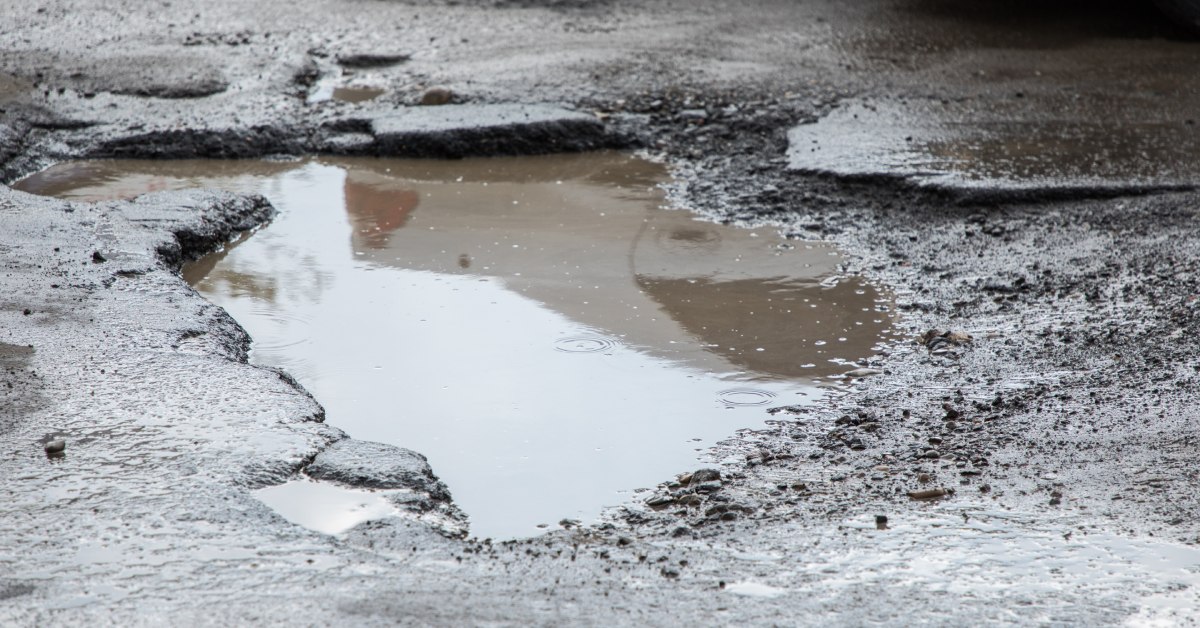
(1063, 424)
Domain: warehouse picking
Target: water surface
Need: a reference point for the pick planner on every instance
(540, 328)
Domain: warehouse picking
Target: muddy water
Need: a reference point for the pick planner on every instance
(540, 328)
(1017, 95)
(1001, 147)
(345, 93)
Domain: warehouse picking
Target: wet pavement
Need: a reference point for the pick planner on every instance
(1040, 222)
(543, 329)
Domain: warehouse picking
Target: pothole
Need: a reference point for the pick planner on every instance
(541, 328)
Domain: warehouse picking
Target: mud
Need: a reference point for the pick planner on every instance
(1065, 425)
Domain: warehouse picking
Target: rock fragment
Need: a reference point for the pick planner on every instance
(376, 465)
(436, 96)
(705, 475)
(929, 494)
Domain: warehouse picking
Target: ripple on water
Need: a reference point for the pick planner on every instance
(745, 397)
(286, 325)
(585, 344)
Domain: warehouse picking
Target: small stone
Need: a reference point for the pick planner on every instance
(864, 372)
(27, 312)
(705, 475)
(924, 478)
(436, 96)
(97, 258)
(958, 337)
(933, 493)
(56, 446)
(881, 522)
(659, 501)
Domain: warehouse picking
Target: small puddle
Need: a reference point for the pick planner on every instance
(356, 94)
(350, 94)
(540, 328)
(324, 507)
(1009, 148)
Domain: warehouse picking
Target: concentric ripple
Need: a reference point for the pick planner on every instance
(585, 344)
(745, 397)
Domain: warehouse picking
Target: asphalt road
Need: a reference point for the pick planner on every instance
(1022, 173)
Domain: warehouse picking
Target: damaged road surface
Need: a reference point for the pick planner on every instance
(1020, 176)
(541, 328)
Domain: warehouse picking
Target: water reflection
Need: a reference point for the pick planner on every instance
(540, 328)
(377, 205)
(720, 299)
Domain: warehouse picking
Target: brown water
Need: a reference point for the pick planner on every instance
(356, 94)
(540, 328)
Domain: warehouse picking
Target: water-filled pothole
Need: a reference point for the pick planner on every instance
(540, 328)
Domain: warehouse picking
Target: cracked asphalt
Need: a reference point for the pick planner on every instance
(1022, 175)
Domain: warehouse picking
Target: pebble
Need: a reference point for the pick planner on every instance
(705, 475)
(437, 96)
(56, 446)
(863, 372)
(932, 493)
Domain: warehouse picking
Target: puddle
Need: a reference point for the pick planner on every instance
(1004, 147)
(351, 94)
(1022, 96)
(356, 94)
(324, 507)
(540, 328)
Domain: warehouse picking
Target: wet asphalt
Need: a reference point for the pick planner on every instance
(1021, 174)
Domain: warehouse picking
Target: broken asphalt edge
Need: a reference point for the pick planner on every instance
(203, 225)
